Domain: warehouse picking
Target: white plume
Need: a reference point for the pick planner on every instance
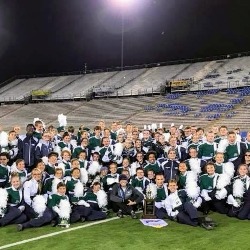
(57, 149)
(191, 177)
(62, 166)
(62, 119)
(73, 143)
(120, 131)
(133, 168)
(94, 168)
(3, 198)
(222, 145)
(154, 126)
(238, 188)
(13, 167)
(223, 181)
(195, 165)
(38, 119)
(193, 191)
(118, 149)
(64, 209)
(84, 175)
(4, 139)
(45, 160)
(78, 190)
(39, 204)
(228, 168)
(102, 198)
(54, 185)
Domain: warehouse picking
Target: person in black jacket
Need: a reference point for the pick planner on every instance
(26, 148)
(125, 198)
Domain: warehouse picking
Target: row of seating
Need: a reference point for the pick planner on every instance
(173, 96)
(217, 107)
(213, 116)
(236, 100)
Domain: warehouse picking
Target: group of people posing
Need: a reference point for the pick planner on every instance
(55, 176)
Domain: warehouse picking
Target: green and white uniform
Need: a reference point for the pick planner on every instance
(206, 151)
(4, 176)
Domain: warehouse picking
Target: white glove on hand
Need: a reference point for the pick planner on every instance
(21, 208)
(13, 152)
(207, 198)
(197, 203)
(174, 214)
(205, 195)
(221, 194)
(83, 203)
(111, 181)
(236, 204)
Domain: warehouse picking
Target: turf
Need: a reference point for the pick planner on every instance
(131, 234)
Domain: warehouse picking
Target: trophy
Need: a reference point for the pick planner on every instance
(149, 202)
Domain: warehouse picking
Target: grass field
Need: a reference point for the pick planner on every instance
(131, 234)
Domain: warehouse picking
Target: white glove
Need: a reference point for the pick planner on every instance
(163, 204)
(207, 198)
(236, 204)
(111, 181)
(119, 159)
(174, 214)
(159, 204)
(21, 208)
(196, 205)
(205, 195)
(14, 151)
(83, 203)
(231, 200)
(221, 194)
(198, 202)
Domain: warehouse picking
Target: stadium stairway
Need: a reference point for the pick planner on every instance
(23, 88)
(206, 70)
(11, 85)
(63, 84)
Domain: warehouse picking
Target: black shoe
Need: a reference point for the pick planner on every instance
(207, 226)
(82, 219)
(210, 222)
(205, 212)
(133, 215)
(105, 210)
(53, 223)
(120, 214)
(174, 218)
(19, 227)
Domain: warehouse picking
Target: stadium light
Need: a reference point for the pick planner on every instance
(122, 6)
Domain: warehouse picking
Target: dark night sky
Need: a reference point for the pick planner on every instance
(44, 36)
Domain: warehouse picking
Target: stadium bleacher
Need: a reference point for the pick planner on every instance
(199, 106)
